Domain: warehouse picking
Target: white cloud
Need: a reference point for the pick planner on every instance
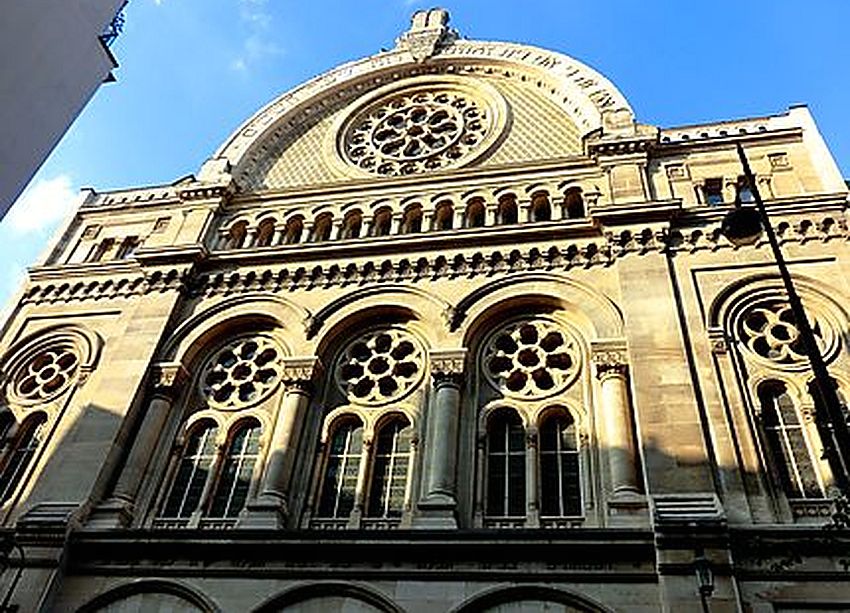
(257, 19)
(42, 204)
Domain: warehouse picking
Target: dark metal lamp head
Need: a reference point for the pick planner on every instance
(742, 225)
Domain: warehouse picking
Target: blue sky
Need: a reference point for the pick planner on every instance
(192, 70)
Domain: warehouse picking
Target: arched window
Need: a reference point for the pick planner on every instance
(540, 208)
(574, 203)
(238, 233)
(787, 444)
(825, 428)
(382, 223)
(475, 213)
(560, 487)
(18, 456)
(389, 470)
(294, 230)
(443, 216)
(265, 233)
(193, 472)
(411, 223)
(322, 228)
(505, 465)
(234, 480)
(341, 470)
(507, 211)
(352, 224)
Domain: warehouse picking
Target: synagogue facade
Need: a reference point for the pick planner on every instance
(443, 329)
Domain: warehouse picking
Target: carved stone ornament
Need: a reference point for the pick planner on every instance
(380, 366)
(300, 373)
(531, 358)
(168, 377)
(610, 358)
(242, 373)
(768, 330)
(45, 375)
(426, 124)
(428, 32)
(447, 367)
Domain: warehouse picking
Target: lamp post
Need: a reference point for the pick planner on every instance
(744, 225)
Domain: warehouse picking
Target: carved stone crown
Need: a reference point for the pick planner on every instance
(428, 32)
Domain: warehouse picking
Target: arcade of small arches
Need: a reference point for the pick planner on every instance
(331, 595)
(351, 222)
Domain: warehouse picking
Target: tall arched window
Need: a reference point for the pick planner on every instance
(193, 471)
(238, 233)
(540, 208)
(560, 485)
(265, 233)
(342, 467)
(382, 223)
(787, 443)
(574, 203)
(507, 212)
(322, 228)
(352, 224)
(475, 213)
(234, 480)
(390, 465)
(443, 216)
(412, 221)
(294, 230)
(18, 456)
(505, 465)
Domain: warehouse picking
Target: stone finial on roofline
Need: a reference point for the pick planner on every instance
(428, 33)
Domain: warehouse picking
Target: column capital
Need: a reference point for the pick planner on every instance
(168, 378)
(300, 373)
(447, 366)
(610, 358)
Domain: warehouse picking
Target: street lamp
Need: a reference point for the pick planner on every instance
(743, 226)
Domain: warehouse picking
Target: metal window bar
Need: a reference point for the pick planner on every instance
(559, 467)
(389, 472)
(341, 470)
(19, 457)
(791, 447)
(234, 481)
(506, 468)
(192, 473)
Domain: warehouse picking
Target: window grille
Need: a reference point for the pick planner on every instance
(193, 472)
(505, 466)
(18, 457)
(389, 470)
(559, 468)
(341, 471)
(237, 469)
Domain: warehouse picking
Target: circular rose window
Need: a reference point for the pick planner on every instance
(380, 366)
(770, 331)
(242, 373)
(429, 125)
(46, 374)
(531, 359)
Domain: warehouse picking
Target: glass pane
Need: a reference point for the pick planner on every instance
(516, 485)
(496, 485)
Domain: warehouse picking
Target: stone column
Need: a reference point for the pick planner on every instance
(612, 372)
(532, 504)
(491, 214)
(395, 227)
(271, 507)
(167, 381)
(279, 235)
(438, 504)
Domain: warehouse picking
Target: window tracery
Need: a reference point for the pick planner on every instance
(380, 366)
(531, 358)
(46, 374)
(241, 373)
(19, 454)
(419, 129)
(768, 330)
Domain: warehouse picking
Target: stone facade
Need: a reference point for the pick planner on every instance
(443, 329)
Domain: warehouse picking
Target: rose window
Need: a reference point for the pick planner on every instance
(531, 359)
(380, 366)
(241, 373)
(426, 127)
(47, 374)
(770, 331)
